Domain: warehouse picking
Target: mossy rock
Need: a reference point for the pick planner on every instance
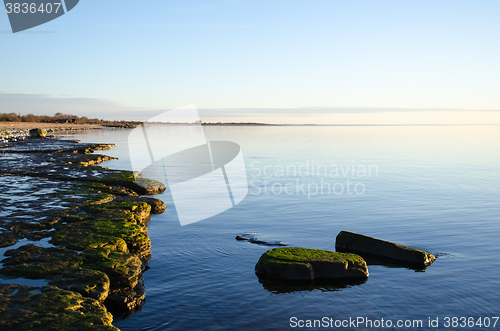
(33, 262)
(117, 235)
(89, 283)
(157, 206)
(51, 309)
(104, 242)
(303, 264)
(117, 226)
(132, 181)
(61, 266)
(93, 273)
(129, 210)
(76, 236)
(123, 269)
(114, 190)
(369, 247)
(7, 239)
(38, 133)
(93, 159)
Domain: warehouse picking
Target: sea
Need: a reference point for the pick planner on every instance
(435, 188)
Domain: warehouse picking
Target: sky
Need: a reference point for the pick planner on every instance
(324, 62)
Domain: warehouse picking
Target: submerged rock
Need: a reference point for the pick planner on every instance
(303, 264)
(250, 237)
(369, 247)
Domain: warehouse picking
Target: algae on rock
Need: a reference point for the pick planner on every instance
(99, 222)
(303, 264)
(51, 309)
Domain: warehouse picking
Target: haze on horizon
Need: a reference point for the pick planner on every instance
(323, 62)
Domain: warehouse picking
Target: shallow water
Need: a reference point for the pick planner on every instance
(22, 242)
(430, 187)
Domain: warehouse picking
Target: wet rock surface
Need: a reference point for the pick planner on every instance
(373, 248)
(50, 308)
(96, 221)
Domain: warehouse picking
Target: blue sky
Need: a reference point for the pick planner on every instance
(257, 60)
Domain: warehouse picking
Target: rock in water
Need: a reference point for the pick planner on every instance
(38, 133)
(296, 264)
(254, 240)
(369, 247)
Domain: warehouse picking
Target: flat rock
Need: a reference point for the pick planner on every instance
(369, 247)
(157, 206)
(25, 308)
(303, 264)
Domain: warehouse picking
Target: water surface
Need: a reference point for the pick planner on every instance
(431, 187)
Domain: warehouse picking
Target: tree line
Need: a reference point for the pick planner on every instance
(13, 117)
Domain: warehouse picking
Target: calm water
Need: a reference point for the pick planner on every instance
(432, 187)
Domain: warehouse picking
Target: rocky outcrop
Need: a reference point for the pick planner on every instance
(157, 206)
(25, 308)
(94, 216)
(303, 264)
(369, 247)
(38, 133)
(117, 226)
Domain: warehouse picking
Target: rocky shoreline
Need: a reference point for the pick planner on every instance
(76, 226)
(19, 131)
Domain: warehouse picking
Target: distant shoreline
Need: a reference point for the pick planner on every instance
(75, 126)
(69, 126)
(59, 126)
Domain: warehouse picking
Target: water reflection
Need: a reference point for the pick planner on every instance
(323, 285)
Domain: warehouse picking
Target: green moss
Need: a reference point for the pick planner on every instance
(139, 208)
(7, 239)
(92, 159)
(78, 238)
(111, 236)
(306, 255)
(118, 226)
(34, 262)
(123, 269)
(123, 235)
(90, 283)
(52, 309)
(92, 273)
(132, 181)
(303, 264)
(94, 188)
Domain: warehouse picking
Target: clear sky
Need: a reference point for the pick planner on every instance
(351, 61)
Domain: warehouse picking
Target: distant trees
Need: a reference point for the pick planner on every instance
(13, 117)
